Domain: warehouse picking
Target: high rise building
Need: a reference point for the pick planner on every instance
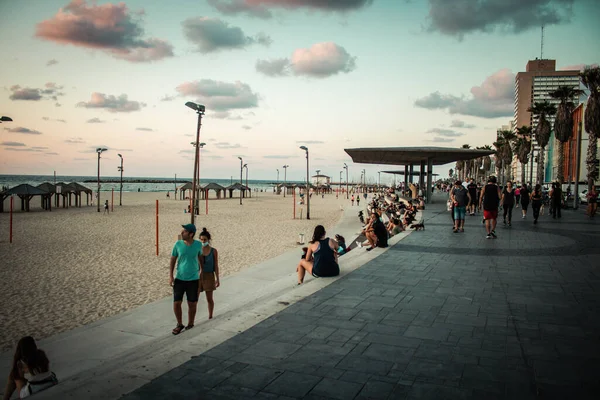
(533, 85)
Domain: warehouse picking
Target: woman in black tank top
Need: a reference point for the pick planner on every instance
(508, 201)
(524, 199)
(321, 257)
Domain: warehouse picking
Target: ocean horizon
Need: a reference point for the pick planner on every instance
(130, 183)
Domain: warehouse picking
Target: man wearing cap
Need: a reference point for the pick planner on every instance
(186, 255)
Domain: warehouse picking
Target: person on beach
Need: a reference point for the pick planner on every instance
(321, 257)
(536, 202)
(358, 200)
(352, 200)
(508, 201)
(30, 371)
(106, 207)
(490, 200)
(186, 256)
(168, 195)
(525, 195)
(592, 199)
(209, 270)
(461, 198)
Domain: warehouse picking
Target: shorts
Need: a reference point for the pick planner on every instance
(208, 282)
(488, 214)
(190, 288)
(460, 212)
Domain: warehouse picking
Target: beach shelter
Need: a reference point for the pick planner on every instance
(47, 200)
(65, 190)
(183, 189)
(25, 193)
(238, 186)
(79, 189)
(212, 186)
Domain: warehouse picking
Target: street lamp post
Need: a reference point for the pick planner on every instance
(99, 150)
(285, 167)
(246, 166)
(121, 187)
(379, 181)
(340, 185)
(364, 179)
(197, 177)
(346, 168)
(241, 171)
(307, 184)
(200, 109)
(318, 173)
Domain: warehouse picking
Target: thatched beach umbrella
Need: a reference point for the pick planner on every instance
(238, 186)
(212, 186)
(78, 190)
(25, 193)
(182, 190)
(65, 190)
(47, 200)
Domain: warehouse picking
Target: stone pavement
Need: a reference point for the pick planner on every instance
(439, 316)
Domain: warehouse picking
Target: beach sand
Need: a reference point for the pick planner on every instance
(70, 267)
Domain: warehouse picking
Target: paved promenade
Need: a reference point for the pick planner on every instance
(438, 316)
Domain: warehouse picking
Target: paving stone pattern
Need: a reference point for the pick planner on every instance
(439, 316)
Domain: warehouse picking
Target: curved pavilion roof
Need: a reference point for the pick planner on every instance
(413, 155)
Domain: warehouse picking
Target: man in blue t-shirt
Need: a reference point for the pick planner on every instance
(186, 255)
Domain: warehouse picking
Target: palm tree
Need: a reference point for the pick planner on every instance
(464, 165)
(487, 160)
(590, 78)
(563, 124)
(542, 132)
(522, 147)
(504, 153)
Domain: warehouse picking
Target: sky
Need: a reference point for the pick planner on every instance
(273, 75)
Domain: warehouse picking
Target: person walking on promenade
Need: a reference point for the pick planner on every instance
(321, 258)
(352, 200)
(186, 255)
(517, 196)
(536, 202)
(358, 200)
(592, 199)
(209, 270)
(490, 200)
(556, 199)
(461, 198)
(508, 201)
(524, 200)
(472, 188)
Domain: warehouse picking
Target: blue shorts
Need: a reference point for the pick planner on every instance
(460, 212)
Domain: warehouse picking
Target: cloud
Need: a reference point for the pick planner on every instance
(52, 119)
(276, 157)
(246, 127)
(227, 145)
(309, 142)
(445, 132)
(23, 149)
(213, 34)
(75, 140)
(188, 151)
(51, 62)
(95, 121)
(26, 131)
(12, 144)
(167, 98)
(214, 157)
(112, 103)
(438, 139)
(577, 67)
(51, 153)
(260, 8)
(456, 123)
(39, 148)
(220, 96)
(225, 115)
(321, 60)
(50, 91)
(275, 67)
(108, 27)
(145, 129)
(493, 99)
(461, 17)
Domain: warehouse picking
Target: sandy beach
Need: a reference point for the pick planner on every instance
(70, 267)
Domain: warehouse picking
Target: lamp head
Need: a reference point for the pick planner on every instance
(120, 155)
(345, 165)
(196, 107)
(5, 119)
(202, 144)
(304, 148)
(245, 166)
(240, 158)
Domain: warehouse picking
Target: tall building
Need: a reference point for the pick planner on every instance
(533, 85)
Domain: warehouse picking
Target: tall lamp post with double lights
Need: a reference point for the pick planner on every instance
(307, 194)
(285, 167)
(340, 189)
(120, 169)
(200, 109)
(346, 168)
(318, 173)
(197, 177)
(277, 177)
(99, 150)
(241, 183)
(246, 167)
(364, 175)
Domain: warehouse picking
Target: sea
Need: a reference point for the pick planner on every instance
(130, 184)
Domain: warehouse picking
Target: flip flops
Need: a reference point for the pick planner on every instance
(177, 330)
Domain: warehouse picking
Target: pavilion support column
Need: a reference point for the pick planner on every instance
(405, 179)
(410, 172)
(22, 203)
(422, 174)
(429, 179)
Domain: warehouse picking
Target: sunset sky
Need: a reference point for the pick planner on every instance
(273, 75)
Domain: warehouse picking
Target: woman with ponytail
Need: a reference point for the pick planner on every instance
(321, 257)
(209, 270)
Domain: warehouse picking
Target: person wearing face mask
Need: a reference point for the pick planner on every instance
(184, 279)
(209, 270)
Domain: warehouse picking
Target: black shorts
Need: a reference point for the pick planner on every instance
(190, 288)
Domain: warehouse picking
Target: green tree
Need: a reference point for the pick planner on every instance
(542, 132)
(522, 148)
(590, 78)
(504, 153)
(563, 124)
